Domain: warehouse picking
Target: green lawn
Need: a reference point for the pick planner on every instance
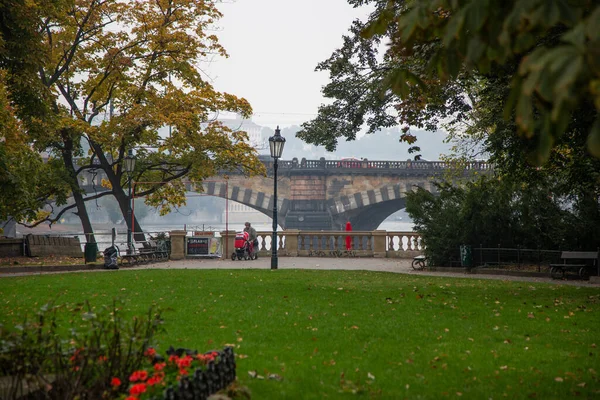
(338, 334)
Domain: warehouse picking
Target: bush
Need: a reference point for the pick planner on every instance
(493, 212)
(40, 360)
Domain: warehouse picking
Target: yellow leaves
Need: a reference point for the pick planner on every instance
(41, 214)
(105, 183)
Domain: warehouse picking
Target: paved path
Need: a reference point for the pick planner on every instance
(401, 266)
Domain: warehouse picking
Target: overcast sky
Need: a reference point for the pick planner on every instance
(274, 47)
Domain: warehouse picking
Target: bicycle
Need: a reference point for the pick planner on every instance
(419, 263)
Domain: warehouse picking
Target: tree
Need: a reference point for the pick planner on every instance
(26, 182)
(120, 71)
(495, 212)
(516, 80)
(438, 49)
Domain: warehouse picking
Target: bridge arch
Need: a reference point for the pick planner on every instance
(256, 199)
(367, 209)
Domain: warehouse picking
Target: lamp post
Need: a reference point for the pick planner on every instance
(129, 166)
(276, 143)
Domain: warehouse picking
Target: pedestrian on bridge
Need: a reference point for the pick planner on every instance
(348, 238)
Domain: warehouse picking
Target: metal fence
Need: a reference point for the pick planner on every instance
(501, 256)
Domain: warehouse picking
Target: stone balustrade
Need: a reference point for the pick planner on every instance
(295, 243)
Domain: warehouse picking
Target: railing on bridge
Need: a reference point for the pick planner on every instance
(380, 165)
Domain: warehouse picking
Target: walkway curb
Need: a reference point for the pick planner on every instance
(402, 266)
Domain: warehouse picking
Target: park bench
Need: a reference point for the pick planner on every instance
(149, 251)
(584, 263)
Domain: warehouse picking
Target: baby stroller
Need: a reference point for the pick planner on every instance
(244, 248)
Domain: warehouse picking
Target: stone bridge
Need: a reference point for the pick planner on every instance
(324, 194)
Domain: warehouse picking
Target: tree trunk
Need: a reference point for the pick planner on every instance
(67, 155)
(124, 202)
(118, 191)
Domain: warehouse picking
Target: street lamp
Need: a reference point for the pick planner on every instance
(129, 166)
(276, 143)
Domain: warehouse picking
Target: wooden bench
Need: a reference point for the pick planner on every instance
(586, 265)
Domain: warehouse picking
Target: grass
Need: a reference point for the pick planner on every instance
(343, 334)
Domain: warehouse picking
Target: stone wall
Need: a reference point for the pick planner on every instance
(44, 245)
(11, 247)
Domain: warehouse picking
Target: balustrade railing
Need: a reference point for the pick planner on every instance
(296, 243)
(380, 165)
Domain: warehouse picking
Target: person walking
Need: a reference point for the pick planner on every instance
(252, 236)
(348, 238)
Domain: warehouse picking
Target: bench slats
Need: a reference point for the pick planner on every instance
(584, 255)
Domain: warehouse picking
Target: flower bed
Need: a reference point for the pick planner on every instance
(184, 374)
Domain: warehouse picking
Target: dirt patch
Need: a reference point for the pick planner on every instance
(6, 262)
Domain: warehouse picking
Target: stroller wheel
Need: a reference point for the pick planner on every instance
(239, 257)
(246, 257)
(255, 256)
(233, 256)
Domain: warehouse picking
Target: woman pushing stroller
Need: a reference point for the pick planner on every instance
(246, 244)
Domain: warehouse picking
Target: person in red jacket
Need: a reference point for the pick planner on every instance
(348, 238)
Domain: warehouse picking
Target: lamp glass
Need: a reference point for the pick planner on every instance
(129, 162)
(276, 143)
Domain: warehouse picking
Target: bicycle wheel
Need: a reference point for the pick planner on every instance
(418, 264)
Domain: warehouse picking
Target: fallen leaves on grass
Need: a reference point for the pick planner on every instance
(36, 261)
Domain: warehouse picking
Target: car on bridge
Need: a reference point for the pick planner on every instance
(351, 162)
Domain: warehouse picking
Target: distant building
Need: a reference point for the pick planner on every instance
(247, 125)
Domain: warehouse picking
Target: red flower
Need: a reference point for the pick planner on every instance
(131, 398)
(115, 382)
(173, 358)
(138, 376)
(154, 380)
(183, 371)
(150, 352)
(102, 359)
(184, 362)
(159, 366)
(137, 389)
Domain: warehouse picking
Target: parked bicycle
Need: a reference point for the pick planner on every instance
(419, 263)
